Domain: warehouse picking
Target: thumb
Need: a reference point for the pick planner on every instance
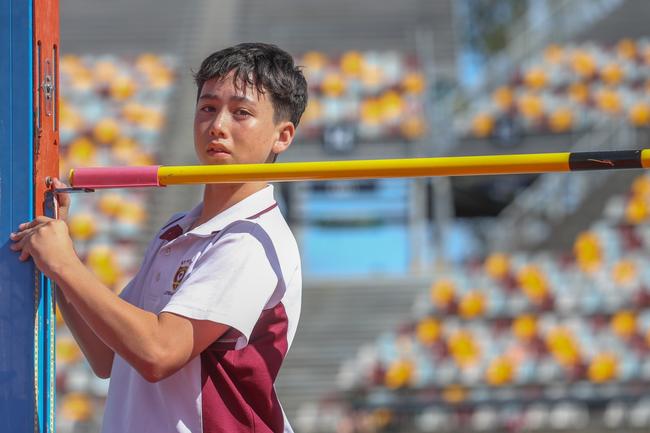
(63, 199)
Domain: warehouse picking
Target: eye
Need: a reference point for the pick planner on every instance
(207, 109)
(242, 112)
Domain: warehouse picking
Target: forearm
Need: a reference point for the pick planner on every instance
(127, 330)
(99, 355)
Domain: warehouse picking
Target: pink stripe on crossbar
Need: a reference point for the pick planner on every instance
(115, 177)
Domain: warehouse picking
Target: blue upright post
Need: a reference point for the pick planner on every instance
(24, 404)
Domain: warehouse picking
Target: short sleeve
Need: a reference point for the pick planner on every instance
(230, 283)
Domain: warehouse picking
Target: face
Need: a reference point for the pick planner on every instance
(236, 126)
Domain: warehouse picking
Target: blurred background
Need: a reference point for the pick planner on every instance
(473, 304)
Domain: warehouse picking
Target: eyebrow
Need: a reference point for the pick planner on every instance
(233, 98)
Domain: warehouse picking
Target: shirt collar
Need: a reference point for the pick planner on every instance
(252, 206)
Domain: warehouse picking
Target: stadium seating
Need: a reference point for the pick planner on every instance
(379, 94)
(533, 341)
(569, 88)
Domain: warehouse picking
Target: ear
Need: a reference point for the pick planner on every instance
(285, 133)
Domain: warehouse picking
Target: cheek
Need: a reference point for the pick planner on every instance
(201, 125)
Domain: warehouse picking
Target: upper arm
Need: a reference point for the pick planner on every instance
(181, 339)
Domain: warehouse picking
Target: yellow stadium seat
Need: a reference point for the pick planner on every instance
(588, 252)
(578, 92)
(81, 152)
(67, 351)
(122, 88)
(500, 371)
(77, 407)
(503, 97)
(583, 64)
(352, 64)
(525, 327)
(636, 211)
(106, 131)
(626, 48)
(314, 61)
(428, 330)
(531, 106)
(131, 212)
(497, 265)
(443, 293)
(110, 203)
(533, 283)
(623, 324)
(392, 106)
(483, 125)
(333, 84)
(414, 83)
(105, 71)
(399, 374)
(82, 226)
(371, 111)
(103, 263)
(624, 273)
(563, 346)
(471, 305)
(464, 348)
(535, 78)
(413, 127)
(612, 74)
(603, 368)
(639, 114)
(561, 120)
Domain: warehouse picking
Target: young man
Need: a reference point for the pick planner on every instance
(195, 341)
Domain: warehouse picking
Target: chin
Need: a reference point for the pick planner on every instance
(217, 160)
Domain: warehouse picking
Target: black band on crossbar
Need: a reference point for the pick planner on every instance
(605, 160)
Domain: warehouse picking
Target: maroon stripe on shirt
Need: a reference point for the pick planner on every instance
(172, 233)
(237, 385)
(259, 214)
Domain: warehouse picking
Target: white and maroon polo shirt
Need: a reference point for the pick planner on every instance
(241, 269)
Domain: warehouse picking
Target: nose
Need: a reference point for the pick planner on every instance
(219, 124)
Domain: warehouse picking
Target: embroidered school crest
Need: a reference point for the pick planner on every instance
(180, 274)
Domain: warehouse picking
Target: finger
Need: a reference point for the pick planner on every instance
(17, 236)
(24, 254)
(19, 244)
(63, 198)
(58, 184)
(36, 221)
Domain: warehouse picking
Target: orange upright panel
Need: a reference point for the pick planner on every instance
(46, 97)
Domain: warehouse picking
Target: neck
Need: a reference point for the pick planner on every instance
(219, 197)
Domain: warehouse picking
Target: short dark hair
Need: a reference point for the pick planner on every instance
(265, 67)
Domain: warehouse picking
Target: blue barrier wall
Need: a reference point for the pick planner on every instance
(18, 405)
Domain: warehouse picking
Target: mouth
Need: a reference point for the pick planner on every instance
(217, 150)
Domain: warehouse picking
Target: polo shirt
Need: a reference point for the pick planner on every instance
(241, 269)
